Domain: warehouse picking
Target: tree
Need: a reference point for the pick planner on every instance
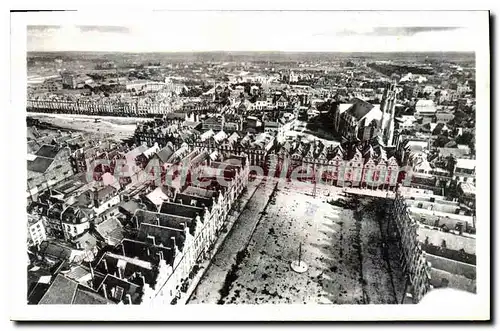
(465, 138)
(440, 141)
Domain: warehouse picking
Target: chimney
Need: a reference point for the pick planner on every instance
(157, 221)
(120, 273)
(173, 241)
(160, 255)
(105, 264)
(129, 298)
(105, 291)
(123, 250)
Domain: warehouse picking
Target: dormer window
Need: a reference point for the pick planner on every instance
(118, 293)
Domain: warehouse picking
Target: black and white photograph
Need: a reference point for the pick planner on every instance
(187, 164)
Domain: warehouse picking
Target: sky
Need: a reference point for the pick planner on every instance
(254, 31)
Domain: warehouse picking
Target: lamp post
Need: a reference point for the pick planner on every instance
(299, 266)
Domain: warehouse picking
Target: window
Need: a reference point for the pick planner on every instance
(119, 293)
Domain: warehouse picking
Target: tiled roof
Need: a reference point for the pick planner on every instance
(86, 241)
(130, 206)
(162, 235)
(33, 146)
(106, 191)
(359, 108)
(181, 210)
(113, 282)
(55, 250)
(165, 153)
(165, 220)
(134, 261)
(48, 151)
(199, 192)
(131, 155)
(193, 200)
(61, 291)
(77, 272)
(158, 195)
(144, 251)
(40, 164)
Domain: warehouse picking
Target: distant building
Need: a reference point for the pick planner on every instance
(443, 116)
(271, 127)
(73, 80)
(361, 120)
(69, 79)
(465, 171)
(358, 120)
(425, 108)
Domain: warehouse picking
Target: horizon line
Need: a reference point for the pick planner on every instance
(244, 51)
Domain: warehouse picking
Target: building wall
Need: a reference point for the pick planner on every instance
(37, 232)
(116, 108)
(72, 230)
(107, 204)
(338, 172)
(196, 248)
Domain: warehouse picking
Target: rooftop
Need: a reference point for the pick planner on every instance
(39, 164)
(61, 291)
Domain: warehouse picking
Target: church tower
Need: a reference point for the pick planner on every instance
(388, 107)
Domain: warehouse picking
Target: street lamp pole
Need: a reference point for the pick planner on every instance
(300, 252)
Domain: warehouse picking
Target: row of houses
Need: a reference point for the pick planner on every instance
(444, 237)
(139, 242)
(133, 107)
